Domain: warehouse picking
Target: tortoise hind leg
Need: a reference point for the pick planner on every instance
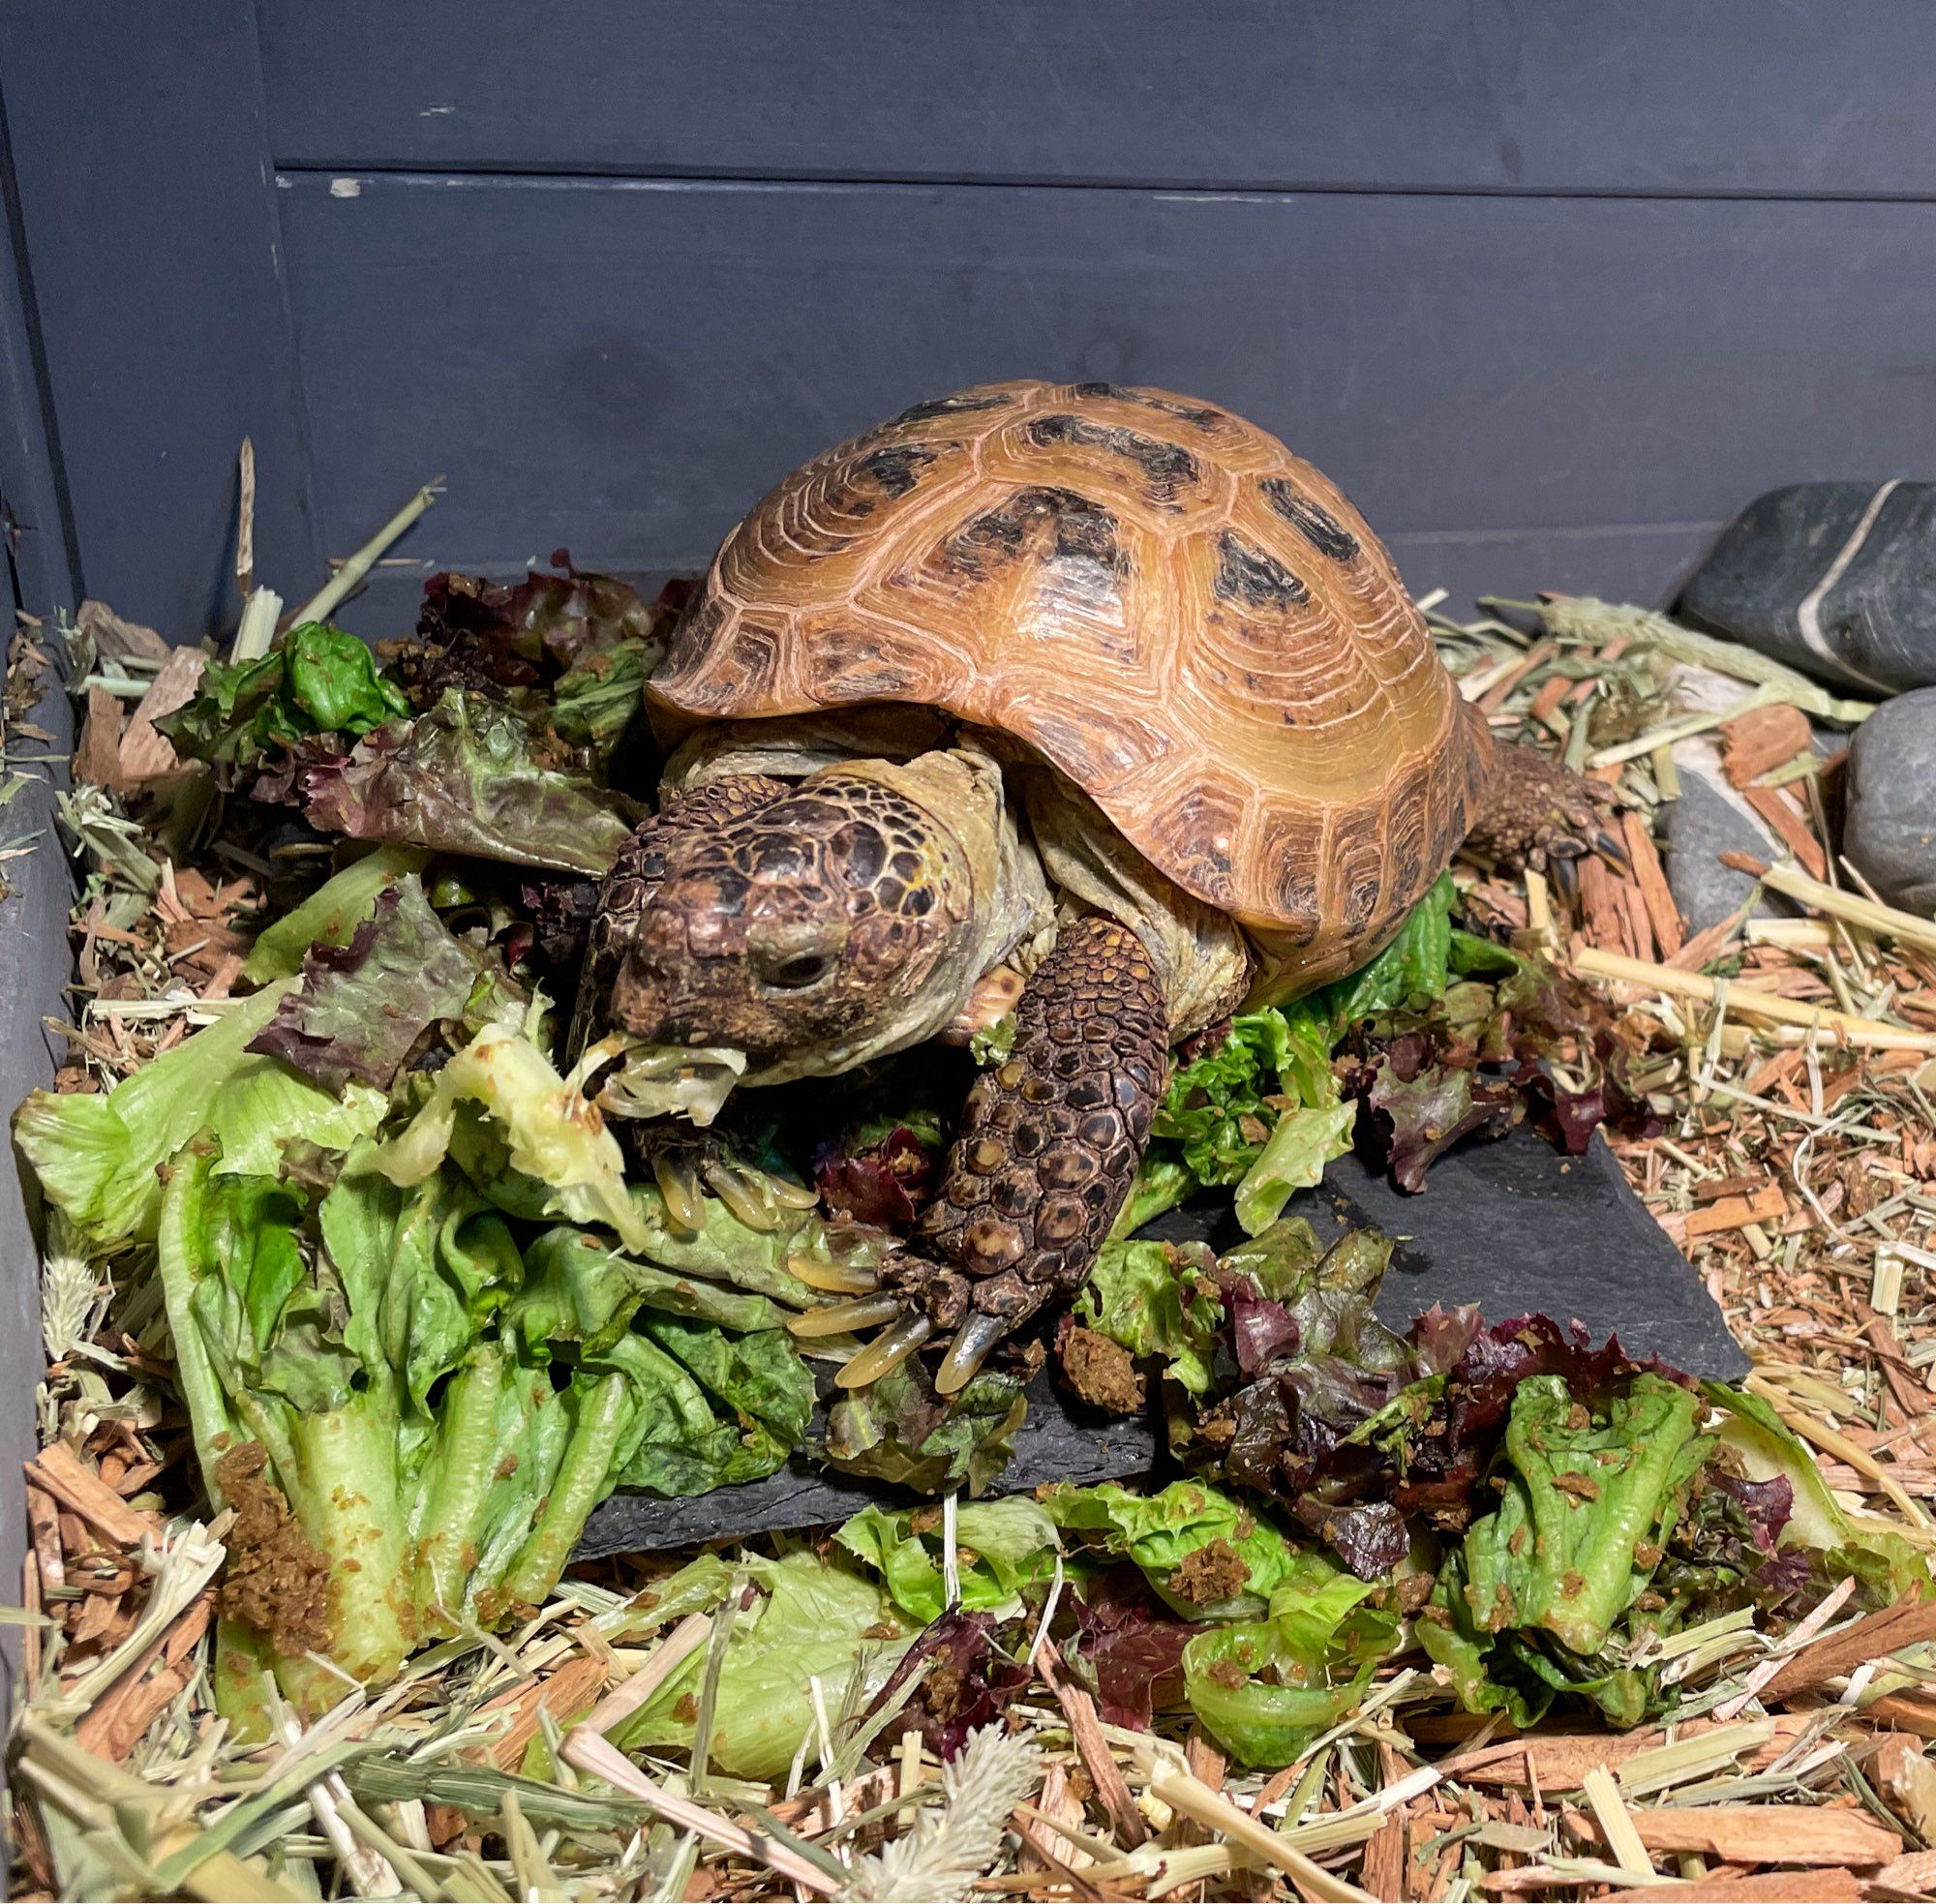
(1535, 810)
(1047, 1153)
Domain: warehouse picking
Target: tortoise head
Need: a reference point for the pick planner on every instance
(830, 924)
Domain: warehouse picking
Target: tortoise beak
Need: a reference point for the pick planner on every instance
(640, 1001)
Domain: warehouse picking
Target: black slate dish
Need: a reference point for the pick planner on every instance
(1512, 1225)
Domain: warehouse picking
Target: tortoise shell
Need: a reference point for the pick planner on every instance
(1189, 621)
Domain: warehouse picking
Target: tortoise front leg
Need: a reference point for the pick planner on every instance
(1047, 1151)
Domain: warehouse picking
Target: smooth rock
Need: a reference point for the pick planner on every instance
(1890, 831)
(1695, 831)
(1835, 579)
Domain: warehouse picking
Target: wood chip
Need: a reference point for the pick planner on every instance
(1761, 740)
(1908, 1711)
(114, 1725)
(575, 1685)
(1756, 1835)
(1534, 659)
(1560, 1761)
(1840, 1886)
(1874, 1637)
(1383, 1872)
(145, 751)
(56, 1469)
(1767, 1205)
(1709, 943)
(1779, 810)
(1604, 917)
(1907, 1779)
(1913, 1875)
(1093, 1749)
(1670, 932)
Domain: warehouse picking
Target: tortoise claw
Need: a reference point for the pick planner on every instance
(967, 1352)
(887, 1351)
(839, 1317)
(856, 1279)
(684, 1195)
(747, 1194)
(1613, 851)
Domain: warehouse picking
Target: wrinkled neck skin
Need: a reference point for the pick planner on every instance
(984, 890)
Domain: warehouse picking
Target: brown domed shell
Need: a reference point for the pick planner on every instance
(1188, 621)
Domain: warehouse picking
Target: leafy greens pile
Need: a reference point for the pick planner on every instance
(421, 1321)
(1568, 1513)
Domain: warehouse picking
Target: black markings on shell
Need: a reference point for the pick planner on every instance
(897, 467)
(1245, 574)
(1166, 468)
(960, 405)
(1200, 414)
(1085, 536)
(1312, 520)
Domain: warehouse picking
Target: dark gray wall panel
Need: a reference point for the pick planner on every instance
(139, 151)
(1574, 94)
(36, 575)
(625, 366)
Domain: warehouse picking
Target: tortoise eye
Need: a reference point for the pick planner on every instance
(798, 973)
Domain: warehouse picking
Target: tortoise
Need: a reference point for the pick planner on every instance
(1092, 702)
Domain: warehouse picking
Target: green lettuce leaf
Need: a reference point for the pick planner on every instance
(1218, 1109)
(817, 1620)
(96, 1153)
(758, 1388)
(499, 1106)
(725, 1250)
(646, 1283)
(1589, 1495)
(899, 1431)
(331, 914)
(1187, 1539)
(1003, 1546)
(1410, 972)
(466, 777)
(1155, 1301)
(1265, 1689)
(1549, 1595)
(596, 699)
(1293, 1159)
(438, 1423)
(317, 680)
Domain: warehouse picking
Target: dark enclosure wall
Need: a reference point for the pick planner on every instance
(1550, 289)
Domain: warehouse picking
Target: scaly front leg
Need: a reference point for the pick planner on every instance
(1047, 1150)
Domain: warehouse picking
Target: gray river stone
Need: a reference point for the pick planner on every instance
(1890, 831)
(1835, 579)
(1512, 1224)
(1695, 831)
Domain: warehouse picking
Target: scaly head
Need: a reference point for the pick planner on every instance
(829, 925)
